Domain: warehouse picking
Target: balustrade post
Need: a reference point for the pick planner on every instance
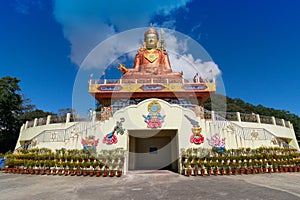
(258, 118)
(48, 119)
(290, 125)
(26, 125)
(273, 120)
(68, 117)
(35, 122)
(22, 127)
(213, 116)
(94, 116)
(238, 115)
(283, 122)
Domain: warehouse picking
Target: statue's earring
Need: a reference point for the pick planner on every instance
(144, 43)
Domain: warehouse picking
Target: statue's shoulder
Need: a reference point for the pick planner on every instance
(163, 51)
(141, 49)
(158, 50)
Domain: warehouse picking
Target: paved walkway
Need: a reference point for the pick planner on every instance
(151, 185)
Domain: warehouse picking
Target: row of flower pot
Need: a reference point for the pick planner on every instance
(67, 162)
(236, 171)
(65, 172)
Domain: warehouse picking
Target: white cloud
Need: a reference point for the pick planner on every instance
(181, 51)
(88, 22)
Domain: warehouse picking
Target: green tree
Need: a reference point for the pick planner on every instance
(10, 112)
(30, 112)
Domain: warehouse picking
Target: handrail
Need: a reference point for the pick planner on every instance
(247, 133)
(148, 81)
(59, 135)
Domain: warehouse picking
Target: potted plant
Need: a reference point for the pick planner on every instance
(228, 169)
(235, 169)
(222, 169)
(65, 166)
(59, 167)
(47, 167)
(97, 168)
(78, 168)
(208, 168)
(187, 168)
(71, 166)
(215, 169)
(53, 167)
(264, 167)
(119, 170)
(105, 171)
(195, 166)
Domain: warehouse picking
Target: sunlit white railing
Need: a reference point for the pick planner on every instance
(245, 133)
(149, 81)
(107, 112)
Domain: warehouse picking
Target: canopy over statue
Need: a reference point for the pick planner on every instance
(152, 59)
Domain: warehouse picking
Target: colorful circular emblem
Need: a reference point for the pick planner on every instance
(154, 107)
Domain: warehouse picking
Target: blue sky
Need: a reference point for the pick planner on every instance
(256, 44)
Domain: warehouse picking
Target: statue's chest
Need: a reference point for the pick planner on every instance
(151, 57)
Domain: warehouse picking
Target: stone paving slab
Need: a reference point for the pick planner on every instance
(151, 185)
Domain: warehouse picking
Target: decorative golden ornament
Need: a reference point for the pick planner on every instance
(154, 107)
(254, 134)
(151, 57)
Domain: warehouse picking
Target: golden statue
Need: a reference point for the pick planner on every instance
(151, 60)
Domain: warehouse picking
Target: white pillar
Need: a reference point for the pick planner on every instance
(94, 116)
(212, 116)
(258, 118)
(26, 124)
(274, 121)
(48, 119)
(290, 125)
(238, 115)
(35, 122)
(22, 127)
(68, 117)
(283, 122)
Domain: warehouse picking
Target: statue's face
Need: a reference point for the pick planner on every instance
(151, 41)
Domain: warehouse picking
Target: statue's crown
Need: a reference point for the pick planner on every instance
(151, 30)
